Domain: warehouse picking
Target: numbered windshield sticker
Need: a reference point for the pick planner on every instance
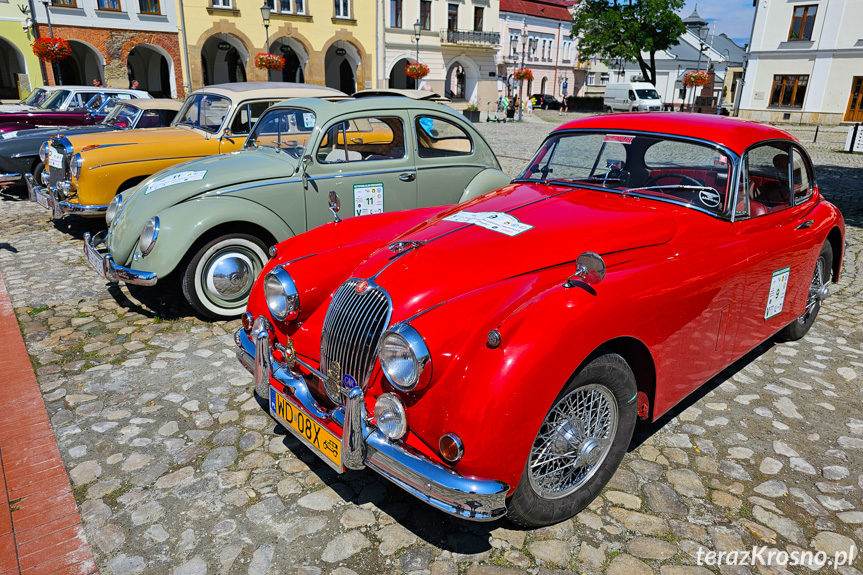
(494, 221)
(308, 120)
(776, 299)
(174, 179)
(368, 199)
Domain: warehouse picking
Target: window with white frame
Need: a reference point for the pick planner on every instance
(603, 79)
(299, 6)
(591, 78)
(342, 9)
(221, 3)
(513, 44)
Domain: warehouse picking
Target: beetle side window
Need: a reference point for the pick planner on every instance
(246, 116)
(801, 178)
(363, 139)
(769, 188)
(439, 138)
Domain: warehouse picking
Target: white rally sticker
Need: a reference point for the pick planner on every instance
(776, 299)
(55, 158)
(494, 221)
(174, 179)
(368, 199)
(308, 120)
(9, 135)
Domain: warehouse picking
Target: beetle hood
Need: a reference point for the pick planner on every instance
(208, 176)
(511, 232)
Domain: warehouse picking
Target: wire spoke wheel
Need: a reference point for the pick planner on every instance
(815, 295)
(573, 441)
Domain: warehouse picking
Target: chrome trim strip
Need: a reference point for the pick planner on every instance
(248, 186)
(361, 174)
(111, 271)
(441, 487)
(140, 160)
(103, 146)
(24, 155)
(4, 178)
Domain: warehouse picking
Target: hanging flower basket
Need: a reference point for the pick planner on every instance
(417, 71)
(523, 74)
(696, 79)
(51, 49)
(269, 62)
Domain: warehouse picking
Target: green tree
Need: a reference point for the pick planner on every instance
(623, 29)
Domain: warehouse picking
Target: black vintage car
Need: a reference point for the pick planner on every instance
(545, 102)
(20, 152)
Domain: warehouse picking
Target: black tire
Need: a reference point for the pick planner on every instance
(243, 252)
(820, 278)
(608, 110)
(37, 173)
(545, 106)
(608, 377)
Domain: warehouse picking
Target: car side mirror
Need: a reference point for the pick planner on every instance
(589, 268)
(305, 163)
(335, 204)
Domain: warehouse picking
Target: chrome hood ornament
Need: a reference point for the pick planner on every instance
(402, 247)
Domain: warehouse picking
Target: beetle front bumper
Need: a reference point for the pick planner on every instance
(50, 198)
(364, 446)
(105, 266)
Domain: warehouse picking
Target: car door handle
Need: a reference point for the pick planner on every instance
(407, 177)
(805, 225)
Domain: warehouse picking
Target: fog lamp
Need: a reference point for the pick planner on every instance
(390, 416)
(247, 322)
(451, 447)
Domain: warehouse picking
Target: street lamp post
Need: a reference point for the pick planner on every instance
(727, 60)
(525, 43)
(55, 69)
(265, 14)
(417, 33)
(702, 37)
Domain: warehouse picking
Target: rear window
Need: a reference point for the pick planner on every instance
(437, 138)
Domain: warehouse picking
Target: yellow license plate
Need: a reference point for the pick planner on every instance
(309, 431)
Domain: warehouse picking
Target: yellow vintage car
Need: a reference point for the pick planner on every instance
(83, 173)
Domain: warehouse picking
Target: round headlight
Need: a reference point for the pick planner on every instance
(404, 357)
(75, 166)
(149, 235)
(113, 208)
(43, 151)
(390, 416)
(281, 294)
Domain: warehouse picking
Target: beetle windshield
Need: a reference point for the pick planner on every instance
(55, 100)
(285, 129)
(204, 111)
(121, 116)
(675, 170)
(35, 97)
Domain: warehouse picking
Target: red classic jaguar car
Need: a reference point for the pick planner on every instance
(494, 357)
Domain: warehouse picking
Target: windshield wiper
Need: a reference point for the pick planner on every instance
(671, 187)
(564, 181)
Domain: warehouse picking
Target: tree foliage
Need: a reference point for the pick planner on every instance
(623, 29)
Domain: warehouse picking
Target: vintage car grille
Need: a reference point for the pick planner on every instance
(55, 175)
(354, 323)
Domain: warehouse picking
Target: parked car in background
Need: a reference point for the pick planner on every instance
(412, 94)
(20, 159)
(632, 97)
(92, 112)
(212, 220)
(493, 357)
(545, 102)
(66, 98)
(85, 173)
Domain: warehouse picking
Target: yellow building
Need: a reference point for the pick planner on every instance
(324, 42)
(19, 67)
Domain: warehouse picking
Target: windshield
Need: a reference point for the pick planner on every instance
(122, 116)
(204, 111)
(35, 97)
(55, 100)
(647, 94)
(660, 168)
(285, 129)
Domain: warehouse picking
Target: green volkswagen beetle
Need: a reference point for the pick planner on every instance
(211, 220)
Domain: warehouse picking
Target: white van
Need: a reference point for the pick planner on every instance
(632, 97)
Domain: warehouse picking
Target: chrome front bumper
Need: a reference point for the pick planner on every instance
(9, 178)
(364, 446)
(49, 198)
(105, 266)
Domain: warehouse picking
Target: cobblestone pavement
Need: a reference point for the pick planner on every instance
(177, 470)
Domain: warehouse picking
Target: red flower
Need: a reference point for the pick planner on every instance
(523, 74)
(417, 71)
(265, 61)
(51, 49)
(696, 79)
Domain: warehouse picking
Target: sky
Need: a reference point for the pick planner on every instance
(732, 17)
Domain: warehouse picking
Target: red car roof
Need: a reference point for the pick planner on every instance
(734, 133)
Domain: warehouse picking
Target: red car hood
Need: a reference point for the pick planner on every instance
(460, 257)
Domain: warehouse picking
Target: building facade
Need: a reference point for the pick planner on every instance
(805, 63)
(536, 33)
(115, 42)
(457, 39)
(324, 42)
(19, 68)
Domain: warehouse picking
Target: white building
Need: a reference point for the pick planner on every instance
(806, 62)
(458, 41)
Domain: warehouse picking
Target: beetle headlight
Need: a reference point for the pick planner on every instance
(149, 235)
(75, 165)
(390, 416)
(43, 151)
(281, 294)
(405, 358)
(113, 208)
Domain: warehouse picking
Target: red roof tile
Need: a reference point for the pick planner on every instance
(552, 9)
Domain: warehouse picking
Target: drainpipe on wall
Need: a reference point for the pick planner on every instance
(36, 37)
(187, 76)
(556, 57)
(742, 83)
(381, 43)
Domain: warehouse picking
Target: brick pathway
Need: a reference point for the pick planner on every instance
(40, 528)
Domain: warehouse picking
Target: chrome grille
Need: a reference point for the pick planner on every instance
(349, 340)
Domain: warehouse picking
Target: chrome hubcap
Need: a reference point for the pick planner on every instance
(573, 441)
(230, 275)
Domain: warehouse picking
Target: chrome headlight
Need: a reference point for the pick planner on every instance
(43, 151)
(149, 235)
(405, 358)
(75, 165)
(113, 208)
(390, 416)
(281, 294)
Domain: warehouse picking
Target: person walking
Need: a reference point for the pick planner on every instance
(529, 104)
